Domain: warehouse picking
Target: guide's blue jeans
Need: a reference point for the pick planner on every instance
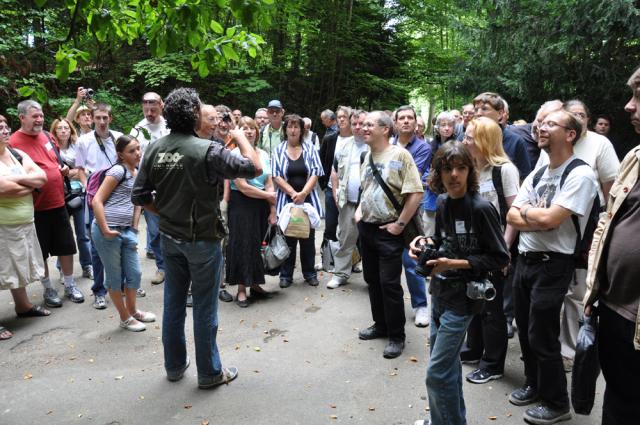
(444, 373)
(415, 283)
(199, 264)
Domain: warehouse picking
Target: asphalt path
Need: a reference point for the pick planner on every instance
(299, 359)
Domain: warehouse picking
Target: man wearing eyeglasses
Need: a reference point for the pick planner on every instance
(542, 212)
(151, 128)
(599, 153)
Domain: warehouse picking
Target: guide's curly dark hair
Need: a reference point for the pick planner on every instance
(448, 154)
(181, 110)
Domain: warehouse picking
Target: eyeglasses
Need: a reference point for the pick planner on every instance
(550, 125)
(369, 125)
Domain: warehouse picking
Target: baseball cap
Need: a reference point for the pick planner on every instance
(274, 104)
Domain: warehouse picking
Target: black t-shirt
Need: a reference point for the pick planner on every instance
(467, 228)
(620, 268)
(297, 174)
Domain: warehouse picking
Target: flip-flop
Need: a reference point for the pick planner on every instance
(35, 311)
(3, 330)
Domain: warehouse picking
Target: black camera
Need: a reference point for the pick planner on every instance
(481, 290)
(427, 252)
(89, 93)
(226, 117)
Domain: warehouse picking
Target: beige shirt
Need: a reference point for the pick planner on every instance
(399, 172)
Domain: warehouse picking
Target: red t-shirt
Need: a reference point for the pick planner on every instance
(51, 195)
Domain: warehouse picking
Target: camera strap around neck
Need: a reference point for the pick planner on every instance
(101, 144)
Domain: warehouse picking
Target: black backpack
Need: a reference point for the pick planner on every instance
(583, 241)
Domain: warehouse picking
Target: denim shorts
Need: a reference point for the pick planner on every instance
(119, 257)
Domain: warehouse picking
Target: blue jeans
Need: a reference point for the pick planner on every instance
(119, 257)
(84, 246)
(153, 238)
(97, 288)
(199, 264)
(415, 283)
(444, 373)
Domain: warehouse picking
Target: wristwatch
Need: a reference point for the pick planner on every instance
(401, 223)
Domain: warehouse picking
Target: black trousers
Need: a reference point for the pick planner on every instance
(539, 290)
(487, 333)
(307, 257)
(330, 216)
(382, 267)
(621, 368)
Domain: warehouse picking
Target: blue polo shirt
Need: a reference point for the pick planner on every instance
(516, 149)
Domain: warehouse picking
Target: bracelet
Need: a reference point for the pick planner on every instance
(401, 224)
(524, 212)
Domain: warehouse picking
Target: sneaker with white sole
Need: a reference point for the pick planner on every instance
(144, 316)
(99, 303)
(87, 271)
(133, 325)
(482, 376)
(141, 293)
(158, 278)
(335, 282)
(422, 317)
(74, 294)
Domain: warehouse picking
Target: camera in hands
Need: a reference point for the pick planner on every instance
(481, 290)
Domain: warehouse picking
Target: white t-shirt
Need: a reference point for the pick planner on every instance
(353, 180)
(576, 194)
(339, 145)
(510, 183)
(597, 151)
(156, 131)
(89, 155)
(312, 137)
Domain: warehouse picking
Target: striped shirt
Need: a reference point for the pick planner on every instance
(118, 209)
(280, 168)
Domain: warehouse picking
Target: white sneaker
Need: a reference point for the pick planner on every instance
(132, 325)
(335, 282)
(422, 317)
(318, 267)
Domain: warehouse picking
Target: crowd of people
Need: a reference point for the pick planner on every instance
(487, 218)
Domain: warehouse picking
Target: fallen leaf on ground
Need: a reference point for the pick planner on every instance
(371, 408)
(333, 406)
(91, 360)
(413, 359)
(256, 348)
(493, 418)
(28, 376)
(141, 397)
(509, 414)
(256, 371)
(188, 406)
(205, 422)
(119, 377)
(49, 412)
(334, 416)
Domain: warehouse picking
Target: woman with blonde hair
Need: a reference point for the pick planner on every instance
(66, 135)
(498, 180)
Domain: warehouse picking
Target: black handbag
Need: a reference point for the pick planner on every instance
(274, 250)
(586, 365)
(414, 227)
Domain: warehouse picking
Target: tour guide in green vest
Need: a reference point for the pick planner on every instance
(184, 172)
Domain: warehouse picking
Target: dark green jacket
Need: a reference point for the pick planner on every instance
(186, 173)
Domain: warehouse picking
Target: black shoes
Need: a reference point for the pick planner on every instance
(524, 395)
(371, 332)
(224, 296)
(312, 281)
(544, 415)
(393, 349)
(285, 283)
(510, 330)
